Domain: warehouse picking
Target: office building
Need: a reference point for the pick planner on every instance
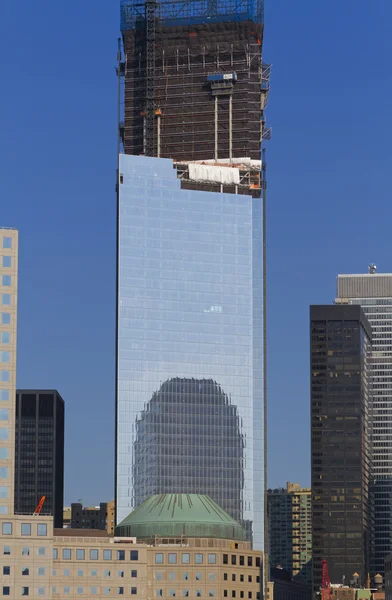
(8, 331)
(373, 291)
(39, 452)
(191, 262)
(93, 517)
(185, 547)
(340, 354)
(290, 530)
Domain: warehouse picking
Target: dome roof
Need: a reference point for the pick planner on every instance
(176, 515)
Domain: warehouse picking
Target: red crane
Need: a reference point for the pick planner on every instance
(39, 506)
(325, 581)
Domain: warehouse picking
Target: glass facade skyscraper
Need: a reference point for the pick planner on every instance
(190, 405)
(373, 291)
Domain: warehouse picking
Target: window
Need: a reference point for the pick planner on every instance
(42, 529)
(186, 559)
(134, 554)
(25, 551)
(233, 594)
(120, 554)
(93, 590)
(225, 593)
(233, 559)
(158, 575)
(3, 491)
(6, 570)
(257, 578)
(257, 561)
(6, 590)
(54, 572)
(80, 573)
(133, 573)
(159, 592)
(250, 561)
(107, 555)
(6, 299)
(185, 593)
(41, 551)
(242, 578)
(249, 578)
(225, 559)
(3, 414)
(198, 559)
(79, 590)
(5, 356)
(55, 553)
(172, 575)
(107, 590)
(3, 510)
(6, 280)
(5, 337)
(7, 242)
(66, 554)
(198, 576)
(242, 561)
(159, 559)
(80, 554)
(7, 550)
(198, 593)
(94, 573)
(93, 554)
(107, 573)
(41, 571)
(134, 591)
(120, 590)
(7, 261)
(211, 593)
(41, 591)
(67, 573)
(120, 573)
(172, 558)
(54, 589)
(249, 594)
(233, 577)
(25, 591)
(212, 559)
(5, 318)
(7, 528)
(26, 529)
(185, 575)
(172, 593)
(3, 453)
(241, 594)
(211, 576)
(3, 432)
(66, 589)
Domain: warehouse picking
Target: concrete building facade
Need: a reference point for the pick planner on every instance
(93, 517)
(39, 561)
(290, 530)
(8, 335)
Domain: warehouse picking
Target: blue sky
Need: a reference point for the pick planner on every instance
(329, 211)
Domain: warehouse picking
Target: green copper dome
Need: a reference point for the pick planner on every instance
(176, 515)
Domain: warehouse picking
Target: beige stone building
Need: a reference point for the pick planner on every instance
(168, 559)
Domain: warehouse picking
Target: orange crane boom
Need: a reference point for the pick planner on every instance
(39, 506)
(325, 581)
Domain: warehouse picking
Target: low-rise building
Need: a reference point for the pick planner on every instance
(186, 546)
(93, 517)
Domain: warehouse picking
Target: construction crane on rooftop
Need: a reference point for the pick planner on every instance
(39, 507)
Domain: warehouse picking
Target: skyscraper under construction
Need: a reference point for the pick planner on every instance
(191, 307)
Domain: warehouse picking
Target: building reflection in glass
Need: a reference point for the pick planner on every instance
(179, 447)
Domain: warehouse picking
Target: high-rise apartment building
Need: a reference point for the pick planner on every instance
(191, 261)
(290, 530)
(373, 291)
(8, 317)
(39, 452)
(340, 354)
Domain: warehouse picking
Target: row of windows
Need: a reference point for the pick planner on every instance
(159, 592)
(42, 529)
(94, 573)
(185, 558)
(107, 554)
(25, 591)
(25, 551)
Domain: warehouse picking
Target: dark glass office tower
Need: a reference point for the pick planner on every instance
(340, 341)
(39, 452)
